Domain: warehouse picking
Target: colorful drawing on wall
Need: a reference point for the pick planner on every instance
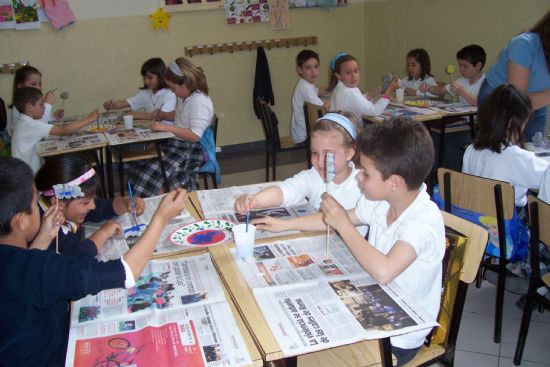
(189, 5)
(6, 15)
(246, 11)
(278, 14)
(316, 3)
(26, 14)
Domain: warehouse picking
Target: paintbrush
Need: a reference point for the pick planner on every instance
(57, 234)
(133, 203)
(330, 173)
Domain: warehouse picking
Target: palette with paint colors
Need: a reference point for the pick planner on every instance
(203, 233)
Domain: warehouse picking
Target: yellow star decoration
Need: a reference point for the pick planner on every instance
(160, 19)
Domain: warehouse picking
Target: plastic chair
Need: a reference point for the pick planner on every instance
(205, 174)
(490, 197)
(539, 213)
(442, 348)
(312, 113)
(274, 142)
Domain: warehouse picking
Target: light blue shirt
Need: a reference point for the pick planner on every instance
(525, 50)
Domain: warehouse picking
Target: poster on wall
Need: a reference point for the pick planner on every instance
(246, 11)
(6, 15)
(172, 6)
(26, 14)
(316, 3)
(278, 14)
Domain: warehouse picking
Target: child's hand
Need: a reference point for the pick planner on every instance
(58, 115)
(410, 92)
(159, 126)
(457, 88)
(326, 105)
(108, 104)
(172, 205)
(333, 213)
(52, 219)
(395, 84)
(270, 224)
(49, 97)
(423, 87)
(93, 116)
(110, 228)
(244, 203)
(139, 205)
(322, 91)
(158, 115)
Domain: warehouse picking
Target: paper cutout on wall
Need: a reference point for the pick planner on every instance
(26, 14)
(161, 19)
(59, 12)
(316, 3)
(7, 19)
(278, 14)
(246, 11)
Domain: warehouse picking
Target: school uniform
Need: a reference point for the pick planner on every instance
(473, 89)
(407, 83)
(352, 100)
(304, 92)
(544, 191)
(15, 115)
(27, 132)
(35, 286)
(182, 159)
(520, 167)
(145, 100)
(421, 226)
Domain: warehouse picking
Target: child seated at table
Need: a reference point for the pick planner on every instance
(418, 73)
(36, 285)
(70, 182)
(497, 152)
(185, 154)
(406, 238)
(333, 133)
(346, 96)
(30, 129)
(154, 95)
(307, 67)
(470, 60)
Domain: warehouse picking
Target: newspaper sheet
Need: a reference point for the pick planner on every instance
(312, 302)
(195, 330)
(455, 108)
(219, 204)
(73, 142)
(136, 136)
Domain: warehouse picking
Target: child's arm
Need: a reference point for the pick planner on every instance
(106, 231)
(382, 268)
(458, 89)
(180, 132)
(123, 204)
(143, 115)
(52, 219)
(159, 115)
(71, 127)
(267, 198)
(433, 89)
(172, 205)
(111, 104)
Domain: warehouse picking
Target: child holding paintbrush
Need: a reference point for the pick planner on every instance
(70, 182)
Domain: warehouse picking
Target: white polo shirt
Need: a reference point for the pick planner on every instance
(27, 132)
(420, 225)
(473, 89)
(304, 92)
(195, 113)
(352, 100)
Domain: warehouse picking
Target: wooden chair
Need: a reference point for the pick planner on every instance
(465, 265)
(539, 218)
(490, 197)
(274, 142)
(312, 113)
(212, 175)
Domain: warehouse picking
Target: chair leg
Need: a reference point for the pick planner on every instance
(524, 328)
(120, 172)
(499, 301)
(266, 166)
(213, 178)
(274, 168)
(205, 180)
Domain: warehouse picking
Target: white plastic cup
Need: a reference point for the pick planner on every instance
(128, 122)
(400, 94)
(244, 241)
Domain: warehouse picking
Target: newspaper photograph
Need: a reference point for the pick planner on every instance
(136, 136)
(163, 285)
(297, 260)
(196, 335)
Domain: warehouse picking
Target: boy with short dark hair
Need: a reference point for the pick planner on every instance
(307, 67)
(29, 129)
(35, 285)
(406, 238)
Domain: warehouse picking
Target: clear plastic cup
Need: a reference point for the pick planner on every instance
(244, 240)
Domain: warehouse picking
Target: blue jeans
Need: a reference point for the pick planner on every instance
(536, 123)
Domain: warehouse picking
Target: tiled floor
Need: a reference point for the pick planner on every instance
(475, 345)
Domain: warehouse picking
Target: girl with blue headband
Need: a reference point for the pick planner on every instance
(333, 133)
(346, 96)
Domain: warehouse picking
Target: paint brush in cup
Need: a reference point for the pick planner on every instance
(330, 173)
(247, 215)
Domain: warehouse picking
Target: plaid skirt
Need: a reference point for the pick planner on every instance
(182, 161)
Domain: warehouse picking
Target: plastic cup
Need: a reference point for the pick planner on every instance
(128, 121)
(400, 94)
(244, 241)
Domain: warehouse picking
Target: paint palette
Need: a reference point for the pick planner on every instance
(203, 233)
(102, 128)
(420, 103)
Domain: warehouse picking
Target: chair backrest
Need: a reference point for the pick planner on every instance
(215, 128)
(270, 125)
(312, 113)
(542, 218)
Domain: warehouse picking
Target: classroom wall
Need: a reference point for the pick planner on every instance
(99, 58)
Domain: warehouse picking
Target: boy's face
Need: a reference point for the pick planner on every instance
(35, 110)
(309, 70)
(370, 180)
(76, 210)
(349, 74)
(467, 70)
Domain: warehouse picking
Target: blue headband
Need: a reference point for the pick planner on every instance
(342, 121)
(335, 58)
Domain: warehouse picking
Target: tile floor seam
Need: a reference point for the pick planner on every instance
(483, 354)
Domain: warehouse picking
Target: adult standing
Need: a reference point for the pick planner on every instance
(525, 63)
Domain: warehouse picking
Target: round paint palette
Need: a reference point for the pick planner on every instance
(420, 103)
(203, 233)
(102, 128)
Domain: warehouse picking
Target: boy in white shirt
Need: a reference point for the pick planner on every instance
(30, 129)
(406, 239)
(471, 60)
(307, 67)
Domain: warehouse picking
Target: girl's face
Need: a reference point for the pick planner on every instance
(76, 210)
(323, 142)
(151, 81)
(349, 74)
(414, 69)
(179, 90)
(371, 182)
(33, 80)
